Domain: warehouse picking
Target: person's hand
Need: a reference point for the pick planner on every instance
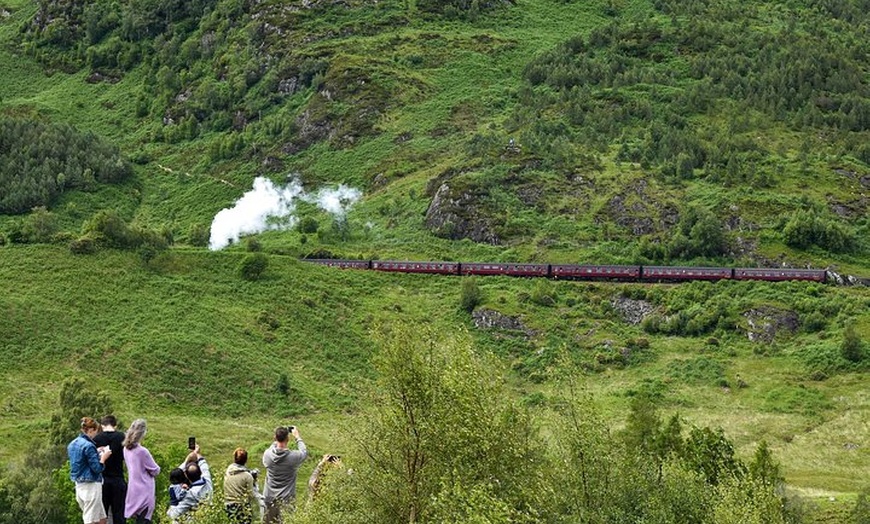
(196, 451)
(295, 433)
(104, 456)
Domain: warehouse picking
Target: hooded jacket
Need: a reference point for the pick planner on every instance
(238, 485)
(281, 467)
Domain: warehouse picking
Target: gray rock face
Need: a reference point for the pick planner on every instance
(766, 321)
(632, 311)
(457, 216)
(488, 319)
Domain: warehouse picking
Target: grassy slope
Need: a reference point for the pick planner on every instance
(108, 317)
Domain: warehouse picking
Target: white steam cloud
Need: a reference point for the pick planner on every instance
(270, 207)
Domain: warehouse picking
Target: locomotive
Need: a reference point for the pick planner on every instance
(581, 272)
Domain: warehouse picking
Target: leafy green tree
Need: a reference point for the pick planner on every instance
(471, 295)
(40, 225)
(253, 266)
(38, 490)
(198, 235)
(441, 428)
(710, 453)
(852, 348)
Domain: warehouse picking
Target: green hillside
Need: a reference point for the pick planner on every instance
(136, 135)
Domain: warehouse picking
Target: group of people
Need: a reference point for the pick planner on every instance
(97, 456)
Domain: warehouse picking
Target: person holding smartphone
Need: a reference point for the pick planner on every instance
(281, 465)
(86, 465)
(200, 487)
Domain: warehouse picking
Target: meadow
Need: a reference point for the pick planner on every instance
(592, 132)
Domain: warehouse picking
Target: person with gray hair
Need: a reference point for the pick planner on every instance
(141, 470)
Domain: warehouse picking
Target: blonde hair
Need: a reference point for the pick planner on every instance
(135, 433)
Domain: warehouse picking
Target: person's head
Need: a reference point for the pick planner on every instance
(89, 426)
(240, 456)
(109, 421)
(282, 434)
(135, 433)
(193, 472)
(176, 476)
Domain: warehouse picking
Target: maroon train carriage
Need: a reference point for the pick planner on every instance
(581, 272)
(441, 268)
(778, 275)
(676, 273)
(340, 263)
(510, 269)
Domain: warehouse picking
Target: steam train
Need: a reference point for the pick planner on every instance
(581, 272)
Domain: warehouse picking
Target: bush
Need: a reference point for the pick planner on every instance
(471, 296)
(852, 347)
(543, 294)
(198, 235)
(308, 225)
(807, 228)
(86, 245)
(253, 266)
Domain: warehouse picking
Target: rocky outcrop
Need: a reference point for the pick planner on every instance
(637, 210)
(457, 215)
(631, 310)
(846, 280)
(488, 319)
(765, 322)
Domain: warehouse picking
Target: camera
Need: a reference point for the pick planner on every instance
(291, 428)
(191, 443)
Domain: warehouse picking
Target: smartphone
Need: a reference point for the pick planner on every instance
(191, 442)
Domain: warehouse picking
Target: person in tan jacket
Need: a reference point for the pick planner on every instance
(240, 489)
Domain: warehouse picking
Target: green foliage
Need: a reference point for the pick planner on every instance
(198, 235)
(253, 266)
(861, 512)
(471, 295)
(808, 228)
(39, 226)
(711, 454)
(852, 347)
(468, 9)
(39, 162)
(543, 293)
(307, 225)
(437, 409)
(39, 489)
(109, 228)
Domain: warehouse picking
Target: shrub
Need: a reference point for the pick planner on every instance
(85, 245)
(198, 235)
(807, 228)
(852, 347)
(253, 266)
(543, 294)
(471, 296)
(308, 225)
(253, 245)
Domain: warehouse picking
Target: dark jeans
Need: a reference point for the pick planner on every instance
(239, 513)
(114, 493)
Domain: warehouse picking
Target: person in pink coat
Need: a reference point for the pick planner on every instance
(141, 472)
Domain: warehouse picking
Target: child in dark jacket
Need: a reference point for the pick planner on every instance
(177, 486)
